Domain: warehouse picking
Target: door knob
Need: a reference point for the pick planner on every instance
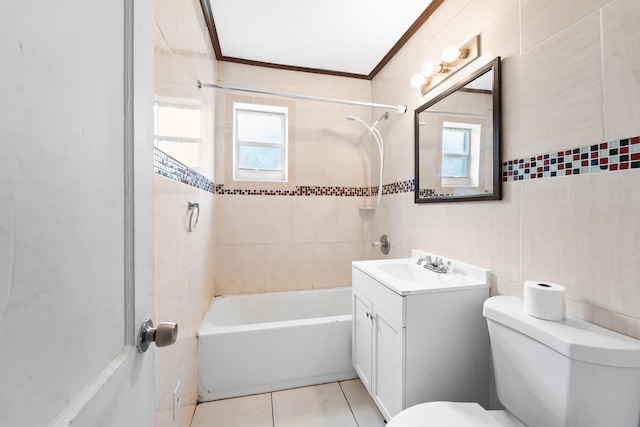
(165, 334)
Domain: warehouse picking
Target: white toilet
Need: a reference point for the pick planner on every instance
(548, 374)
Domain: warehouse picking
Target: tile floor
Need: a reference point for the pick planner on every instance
(339, 404)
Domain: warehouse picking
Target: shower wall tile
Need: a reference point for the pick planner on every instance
(329, 219)
(332, 263)
(400, 148)
(315, 219)
(332, 161)
(386, 215)
(352, 222)
(228, 227)
(328, 150)
(289, 267)
(240, 269)
(266, 219)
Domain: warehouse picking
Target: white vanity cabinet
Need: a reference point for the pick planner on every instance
(421, 345)
(378, 339)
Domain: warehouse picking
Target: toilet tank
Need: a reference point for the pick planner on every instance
(562, 373)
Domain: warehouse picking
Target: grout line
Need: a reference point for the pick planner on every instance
(273, 415)
(348, 403)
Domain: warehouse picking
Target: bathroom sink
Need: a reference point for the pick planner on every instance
(405, 276)
(410, 271)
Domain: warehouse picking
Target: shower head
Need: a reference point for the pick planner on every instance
(378, 137)
(350, 117)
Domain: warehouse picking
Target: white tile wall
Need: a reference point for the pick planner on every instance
(567, 82)
(273, 233)
(184, 261)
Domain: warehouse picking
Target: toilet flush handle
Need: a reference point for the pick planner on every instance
(165, 334)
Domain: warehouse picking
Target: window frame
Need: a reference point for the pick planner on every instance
(271, 175)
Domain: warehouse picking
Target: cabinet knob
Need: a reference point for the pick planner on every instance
(369, 315)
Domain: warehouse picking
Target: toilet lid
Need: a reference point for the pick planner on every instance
(444, 414)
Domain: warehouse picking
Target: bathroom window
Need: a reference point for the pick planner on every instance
(455, 152)
(178, 129)
(460, 154)
(260, 142)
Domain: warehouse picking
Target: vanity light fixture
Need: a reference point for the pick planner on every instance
(454, 58)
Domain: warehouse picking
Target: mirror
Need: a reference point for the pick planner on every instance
(457, 141)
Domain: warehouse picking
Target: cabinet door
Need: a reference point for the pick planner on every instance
(361, 348)
(388, 375)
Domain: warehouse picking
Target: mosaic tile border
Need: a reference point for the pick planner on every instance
(622, 154)
(306, 190)
(167, 166)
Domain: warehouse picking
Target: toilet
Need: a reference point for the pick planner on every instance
(548, 374)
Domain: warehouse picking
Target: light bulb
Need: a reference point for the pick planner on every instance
(450, 53)
(417, 80)
(427, 68)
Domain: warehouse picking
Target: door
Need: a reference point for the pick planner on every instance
(76, 212)
(361, 349)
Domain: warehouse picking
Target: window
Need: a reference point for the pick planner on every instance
(460, 154)
(455, 152)
(178, 130)
(259, 142)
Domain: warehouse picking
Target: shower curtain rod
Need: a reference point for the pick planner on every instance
(400, 109)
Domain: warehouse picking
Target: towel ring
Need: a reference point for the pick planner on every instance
(193, 207)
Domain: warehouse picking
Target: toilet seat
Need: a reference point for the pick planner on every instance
(444, 414)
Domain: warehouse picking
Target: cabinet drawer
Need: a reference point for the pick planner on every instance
(382, 297)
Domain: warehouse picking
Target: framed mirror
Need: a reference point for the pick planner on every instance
(457, 141)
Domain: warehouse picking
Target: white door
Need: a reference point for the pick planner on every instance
(76, 212)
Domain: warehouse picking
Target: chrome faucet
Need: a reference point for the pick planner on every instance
(436, 265)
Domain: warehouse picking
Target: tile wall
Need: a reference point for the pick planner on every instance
(304, 234)
(567, 80)
(568, 87)
(184, 261)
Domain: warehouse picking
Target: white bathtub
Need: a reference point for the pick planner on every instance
(250, 344)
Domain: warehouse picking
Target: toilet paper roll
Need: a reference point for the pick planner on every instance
(544, 300)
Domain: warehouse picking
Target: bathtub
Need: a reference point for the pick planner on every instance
(249, 344)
